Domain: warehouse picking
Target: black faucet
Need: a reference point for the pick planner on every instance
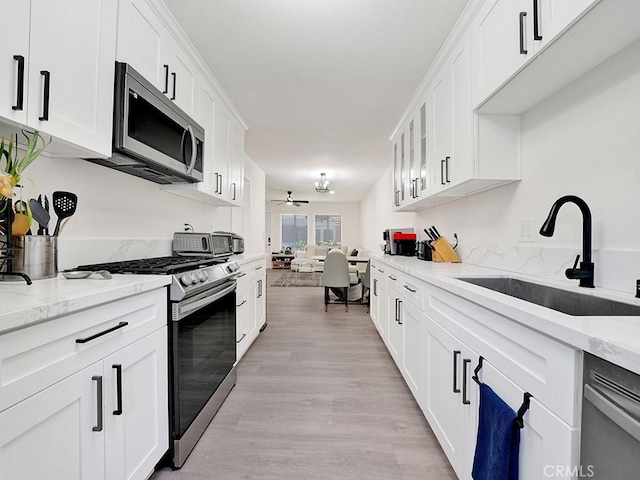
(585, 272)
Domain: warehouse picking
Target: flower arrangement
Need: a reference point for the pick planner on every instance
(14, 167)
(10, 177)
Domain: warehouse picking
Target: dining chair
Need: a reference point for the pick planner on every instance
(365, 279)
(336, 275)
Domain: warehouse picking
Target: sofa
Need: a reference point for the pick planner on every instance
(302, 262)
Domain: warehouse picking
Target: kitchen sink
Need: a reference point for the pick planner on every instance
(563, 301)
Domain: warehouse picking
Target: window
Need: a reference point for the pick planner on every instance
(294, 231)
(328, 229)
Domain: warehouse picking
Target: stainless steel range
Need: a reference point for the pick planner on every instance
(202, 337)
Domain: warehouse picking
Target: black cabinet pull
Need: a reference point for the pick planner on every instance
(465, 362)
(523, 50)
(446, 169)
(410, 289)
(173, 96)
(98, 380)
(399, 311)
(375, 287)
(234, 190)
(220, 181)
(45, 99)
(20, 87)
(241, 338)
(118, 410)
(100, 334)
(166, 79)
(456, 354)
(442, 172)
(536, 22)
(396, 312)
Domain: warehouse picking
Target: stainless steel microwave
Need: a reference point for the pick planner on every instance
(152, 137)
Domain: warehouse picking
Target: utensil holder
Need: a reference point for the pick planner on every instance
(37, 256)
(443, 252)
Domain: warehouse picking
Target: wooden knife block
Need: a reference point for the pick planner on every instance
(443, 252)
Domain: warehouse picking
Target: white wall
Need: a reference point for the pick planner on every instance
(585, 141)
(350, 212)
(249, 220)
(120, 216)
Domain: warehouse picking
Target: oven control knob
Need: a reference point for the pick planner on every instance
(202, 276)
(186, 279)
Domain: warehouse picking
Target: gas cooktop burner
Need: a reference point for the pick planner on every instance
(155, 266)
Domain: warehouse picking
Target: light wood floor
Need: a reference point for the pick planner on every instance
(318, 397)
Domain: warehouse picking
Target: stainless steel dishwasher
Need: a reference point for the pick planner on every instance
(610, 439)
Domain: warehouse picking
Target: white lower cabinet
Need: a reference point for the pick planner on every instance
(378, 296)
(394, 329)
(250, 304)
(86, 395)
(451, 400)
(50, 435)
(136, 421)
(436, 338)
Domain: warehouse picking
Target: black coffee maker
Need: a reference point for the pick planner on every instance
(423, 251)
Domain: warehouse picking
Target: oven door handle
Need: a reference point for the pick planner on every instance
(187, 307)
(612, 411)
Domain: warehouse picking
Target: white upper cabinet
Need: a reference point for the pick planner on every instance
(502, 41)
(151, 41)
(553, 16)
(149, 46)
(563, 38)
(59, 58)
(463, 153)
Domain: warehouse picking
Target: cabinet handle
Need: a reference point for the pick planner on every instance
(410, 289)
(166, 79)
(456, 354)
(20, 87)
(523, 50)
(243, 302)
(391, 277)
(375, 287)
(442, 172)
(536, 21)
(241, 275)
(118, 368)
(98, 380)
(465, 362)
(104, 332)
(173, 75)
(45, 99)
(396, 312)
(234, 190)
(241, 338)
(446, 169)
(220, 181)
(259, 267)
(399, 311)
(380, 270)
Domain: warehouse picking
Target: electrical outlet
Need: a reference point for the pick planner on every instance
(525, 234)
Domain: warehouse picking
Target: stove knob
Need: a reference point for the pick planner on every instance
(186, 279)
(204, 276)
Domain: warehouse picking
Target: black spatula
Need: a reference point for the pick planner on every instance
(64, 205)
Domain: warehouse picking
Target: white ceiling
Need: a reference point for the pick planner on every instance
(321, 83)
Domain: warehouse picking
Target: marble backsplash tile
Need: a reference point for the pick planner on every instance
(614, 269)
(73, 252)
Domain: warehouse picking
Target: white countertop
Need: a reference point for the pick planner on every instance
(22, 305)
(614, 338)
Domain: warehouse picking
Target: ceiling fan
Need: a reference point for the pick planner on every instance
(290, 201)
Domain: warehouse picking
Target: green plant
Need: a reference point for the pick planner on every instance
(14, 166)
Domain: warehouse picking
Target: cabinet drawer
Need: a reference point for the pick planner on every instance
(548, 446)
(412, 289)
(547, 369)
(36, 357)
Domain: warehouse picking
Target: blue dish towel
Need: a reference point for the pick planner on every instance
(498, 444)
